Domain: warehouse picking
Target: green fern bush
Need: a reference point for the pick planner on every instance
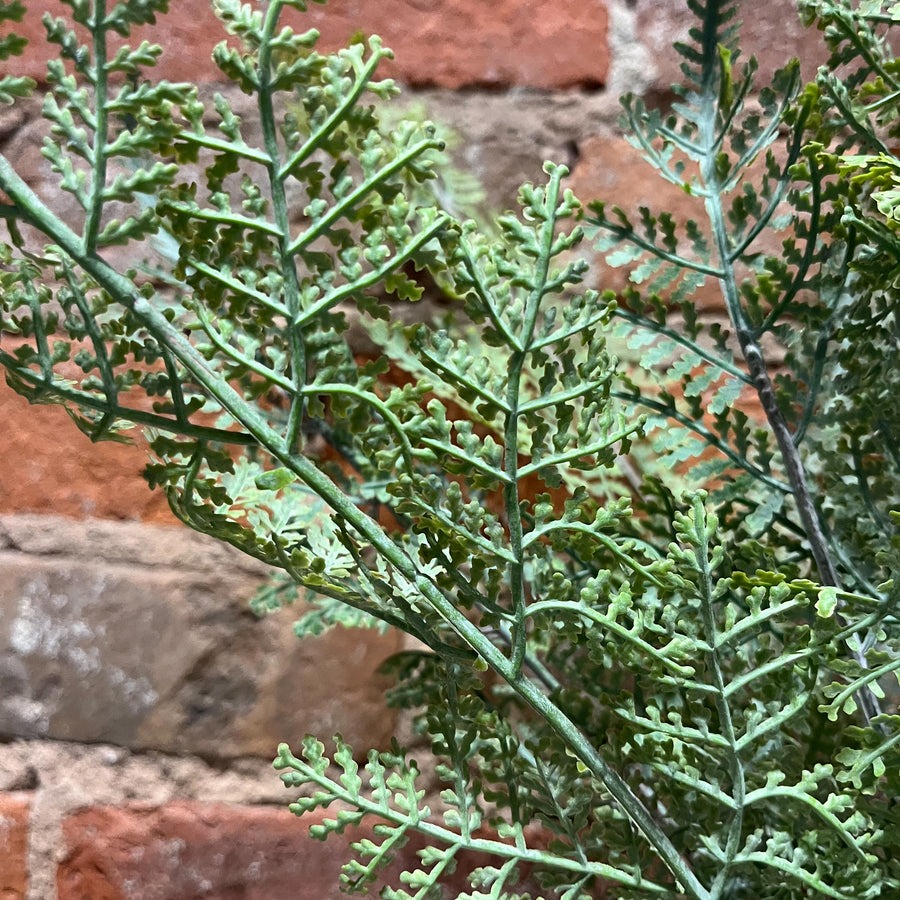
(628, 692)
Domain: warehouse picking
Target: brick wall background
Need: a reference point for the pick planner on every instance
(140, 702)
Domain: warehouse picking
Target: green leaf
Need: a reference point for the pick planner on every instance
(827, 602)
(275, 479)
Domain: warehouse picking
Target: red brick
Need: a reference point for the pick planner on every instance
(185, 851)
(614, 172)
(14, 813)
(50, 467)
(611, 170)
(448, 43)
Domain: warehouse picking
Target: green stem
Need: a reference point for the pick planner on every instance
(123, 413)
(626, 634)
(107, 375)
(264, 372)
(438, 834)
(679, 338)
(333, 297)
(726, 724)
(752, 352)
(700, 429)
(624, 558)
(291, 286)
(377, 404)
(220, 146)
(363, 77)
(511, 498)
(627, 234)
(355, 197)
(124, 292)
(101, 130)
(579, 452)
(223, 278)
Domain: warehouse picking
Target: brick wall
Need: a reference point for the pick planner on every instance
(139, 700)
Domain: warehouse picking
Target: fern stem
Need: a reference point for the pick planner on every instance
(376, 403)
(338, 115)
(781, 188)
(753, 355)
(707, 435)
(243, 412)
(457, 755)
(624, 558)
(479, 464)
(101, 130)
(679, 338)
(579, 452)
(812, 235)
(216, 274)
(376, 276)
(176, 391)
(726, 724)
(260, 226)
(282, 221)
(121, 413)
(511, 431)
(242, 359)
(355, 197)
(628, 234)
(107, 376)
(220, 146)
(438, 834)
(40, 335)
(611, 625)
(562, 817)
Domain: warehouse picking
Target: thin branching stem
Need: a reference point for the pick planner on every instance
(101, 129)
(291, 286)
(753, 354)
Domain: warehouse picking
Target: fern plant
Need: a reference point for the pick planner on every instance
(642, 696)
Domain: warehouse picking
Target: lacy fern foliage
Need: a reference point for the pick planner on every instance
(628, 691)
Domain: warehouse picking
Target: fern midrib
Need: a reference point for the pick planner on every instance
(291, 286)
(750, 348)
(98, 163)
(512, 499)
(708, 104)
(441, 835)
(723, 710)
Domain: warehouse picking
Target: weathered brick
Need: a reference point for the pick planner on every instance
(448, 43)
(50, 467)
(771, 31)
(185, 850)
(131, 650)
(611, 170)
(14, 816)
(189, 850)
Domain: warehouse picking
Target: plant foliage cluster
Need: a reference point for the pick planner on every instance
(638, 692)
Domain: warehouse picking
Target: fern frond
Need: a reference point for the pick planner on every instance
(389, 793)
(661, 694)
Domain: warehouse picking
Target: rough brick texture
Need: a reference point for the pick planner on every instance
(448, 43)
(141, 637)
(185, 851)
(14, 814)
(771, 31)
(50, 467)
